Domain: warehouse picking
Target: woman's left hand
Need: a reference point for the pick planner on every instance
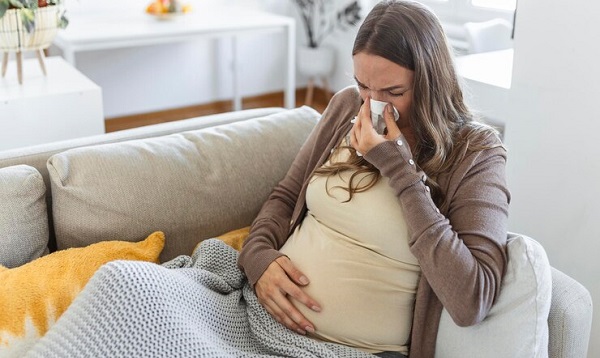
(363, 136)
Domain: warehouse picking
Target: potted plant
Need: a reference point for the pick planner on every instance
(28, 25)
(26, 10)
(319, 19)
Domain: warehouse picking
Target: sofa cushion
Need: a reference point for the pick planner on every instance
(33, 296)
(23, 216)
(517, 324)
(192, 186)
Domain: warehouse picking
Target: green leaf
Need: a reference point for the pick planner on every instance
(17, 3)
(3, 7)
(28, 19)
(63, 22)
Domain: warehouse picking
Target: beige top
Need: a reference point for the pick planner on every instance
(357, 258)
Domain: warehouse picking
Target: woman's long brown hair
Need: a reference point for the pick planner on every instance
(410, 35)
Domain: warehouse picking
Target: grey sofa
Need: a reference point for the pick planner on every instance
(202, 177)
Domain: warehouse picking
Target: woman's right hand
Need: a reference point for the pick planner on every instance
(280, 280)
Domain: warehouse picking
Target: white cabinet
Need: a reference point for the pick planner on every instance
(63, 105)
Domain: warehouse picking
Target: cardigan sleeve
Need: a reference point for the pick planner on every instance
(461, 254)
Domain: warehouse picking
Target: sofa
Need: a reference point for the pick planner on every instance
(199, 178)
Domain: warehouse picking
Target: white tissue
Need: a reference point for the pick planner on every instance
(377, 108)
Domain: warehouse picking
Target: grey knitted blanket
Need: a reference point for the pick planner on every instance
(198, 306)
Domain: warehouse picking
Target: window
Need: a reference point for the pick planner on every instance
(496, 4)
(455, 13)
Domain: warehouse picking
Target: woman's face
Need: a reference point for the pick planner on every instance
(386, 81)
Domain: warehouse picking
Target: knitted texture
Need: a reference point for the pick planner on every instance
(137, 309)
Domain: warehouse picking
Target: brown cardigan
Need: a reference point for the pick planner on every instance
(460, 247)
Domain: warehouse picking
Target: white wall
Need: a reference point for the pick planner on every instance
(553, 137)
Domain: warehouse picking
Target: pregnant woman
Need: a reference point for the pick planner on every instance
(369, 236)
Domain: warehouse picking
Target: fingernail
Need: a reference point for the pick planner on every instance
(301, 331)
(309, 329)
(389, 108)
(316, 308)
(303, 280)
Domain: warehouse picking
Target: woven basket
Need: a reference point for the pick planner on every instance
(15, 38)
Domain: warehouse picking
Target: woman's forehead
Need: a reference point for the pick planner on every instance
(378, 72)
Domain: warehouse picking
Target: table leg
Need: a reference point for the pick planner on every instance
(237, 98)
(4, 63)
(40, 56)
(69, 56)
(290, 78)
(326, 88)
(309, 92)
(20, 67)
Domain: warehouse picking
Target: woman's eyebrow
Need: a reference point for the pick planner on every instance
(390, 88)
(359, 83)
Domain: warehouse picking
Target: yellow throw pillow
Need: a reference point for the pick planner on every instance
(35, 295)
(234, 238)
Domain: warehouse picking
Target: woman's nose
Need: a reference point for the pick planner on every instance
(376, 95)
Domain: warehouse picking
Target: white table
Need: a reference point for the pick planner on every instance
(62, 105)
(488, 76)
(92, 32)
(492, 68)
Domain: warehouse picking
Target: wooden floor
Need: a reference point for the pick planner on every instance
(268, 100)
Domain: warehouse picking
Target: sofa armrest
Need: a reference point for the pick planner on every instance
(570, 319)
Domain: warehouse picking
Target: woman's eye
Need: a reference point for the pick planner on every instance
(396, 94)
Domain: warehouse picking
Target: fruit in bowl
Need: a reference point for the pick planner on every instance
(167, 7)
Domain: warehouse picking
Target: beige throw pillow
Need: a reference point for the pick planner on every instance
(23, 215)
(517, 324)
(192, 186)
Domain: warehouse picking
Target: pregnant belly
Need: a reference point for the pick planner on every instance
(367, 299)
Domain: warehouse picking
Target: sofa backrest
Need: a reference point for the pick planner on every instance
(191, 185)
(37, 156)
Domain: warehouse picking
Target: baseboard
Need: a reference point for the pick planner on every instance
(275, 99)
